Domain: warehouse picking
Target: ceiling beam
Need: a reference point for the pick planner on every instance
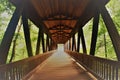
(60, 32)
(55, 19)
(84, 18)
(36, 20)
(58, 27)
(59, 16)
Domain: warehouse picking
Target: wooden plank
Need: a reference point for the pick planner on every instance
(115, 38)
(94, 33)
(8, 36)
(57, 27)
(59, 66)
(27, 35)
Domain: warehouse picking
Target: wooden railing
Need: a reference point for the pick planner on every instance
(104, 68)
(17, 70)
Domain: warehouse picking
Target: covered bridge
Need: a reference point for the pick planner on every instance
(60, 20)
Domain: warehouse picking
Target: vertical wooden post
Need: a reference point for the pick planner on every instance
(66, 45)
(43, 44)
(78, 43)
(115, 37)
(83, 42)
(94, 33)
(47, 43)
(8, 36)
(73, 42)
(70, 44)
(27, 34)
(38, 42)
(51, 44)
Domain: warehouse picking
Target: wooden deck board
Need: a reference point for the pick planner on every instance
(59, 66)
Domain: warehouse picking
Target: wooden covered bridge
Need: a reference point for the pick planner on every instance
(60, 20)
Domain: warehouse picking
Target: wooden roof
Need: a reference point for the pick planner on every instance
(59, 18)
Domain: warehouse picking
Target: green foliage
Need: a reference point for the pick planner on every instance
(114, 9)
(5, 5)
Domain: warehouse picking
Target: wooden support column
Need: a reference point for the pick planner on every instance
(68, 45)
(27, 34)
(47, 43)
(8, 36)
(115, 37)
(43, 42)
(78, 43)
(83, 42)
(51, 44)
(73, 42)
(94, 33)
(38, 42)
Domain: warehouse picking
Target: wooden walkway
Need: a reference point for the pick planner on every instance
(59, 66)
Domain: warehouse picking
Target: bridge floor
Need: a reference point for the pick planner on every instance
(60, 66)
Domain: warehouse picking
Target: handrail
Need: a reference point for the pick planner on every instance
(104, 68)
(17, 70)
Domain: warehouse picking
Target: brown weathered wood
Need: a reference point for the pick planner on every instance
(17, 70)
(62, 68)
(8, 36)
(57, 27)
(38, 42)
(94, 33)
(27, 35)
(99, 67)
(111, 30)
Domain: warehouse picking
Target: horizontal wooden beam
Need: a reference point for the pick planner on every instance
(60, 32)
(59, 17)
(55, 19)
(61, 27)
(65, 36)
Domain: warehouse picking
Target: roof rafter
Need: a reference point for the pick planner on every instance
(58, 27)
(60, 32)
(60, 17)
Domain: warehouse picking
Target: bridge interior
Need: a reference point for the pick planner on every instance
(60, 20)
(61, 67)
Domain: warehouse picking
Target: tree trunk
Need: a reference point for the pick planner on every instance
(105, 45)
